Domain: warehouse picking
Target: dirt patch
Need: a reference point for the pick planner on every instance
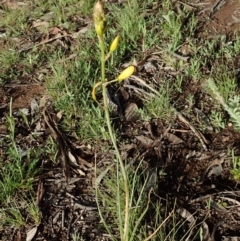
(21, 95)
(221, 17)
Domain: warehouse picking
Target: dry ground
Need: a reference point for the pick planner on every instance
(196, 171)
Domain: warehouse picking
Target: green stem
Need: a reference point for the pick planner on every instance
(113, 139)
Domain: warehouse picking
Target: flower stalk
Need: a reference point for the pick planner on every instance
(100, 27)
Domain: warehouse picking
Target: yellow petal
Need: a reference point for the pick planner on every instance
(114, 44)
(126, 73)
(94, 90)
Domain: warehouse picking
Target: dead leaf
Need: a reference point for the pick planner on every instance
(81, 31)
(24, 111)
(84, 164)
(149, 67)
(151, 181)
(31, 233)
(215, 168)
(127, 147)
(48, 16)
(41, 26)
(57, 136)
(3, 35)
(34, 106)
(42, 23)
(187, 215)
(12, 5)
(81, 173)
(173, 139)
(215, 171)
(54, 31)
(145, 141)
(230, 238)
(3, 129)
(131, 112)
(185, 49)
(59, 116)
(72, 160)
(44, 100)
(38, 127)
(101, 176)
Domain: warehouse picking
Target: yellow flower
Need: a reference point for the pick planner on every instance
(126, 73)
(114, 44)
(94, 90)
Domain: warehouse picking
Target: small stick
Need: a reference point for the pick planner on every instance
(44, 42)
(197, 133)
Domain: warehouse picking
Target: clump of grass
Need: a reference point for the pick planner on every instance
(231, 106)
(236, 165)
(159, 106)
(17, 174)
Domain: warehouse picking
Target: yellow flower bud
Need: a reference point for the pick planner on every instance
(94, 90)
(114, 44)
(126, 73)
(99, 18)
(98, 12)
(99, 29)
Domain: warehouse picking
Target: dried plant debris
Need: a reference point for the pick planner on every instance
(186, 161)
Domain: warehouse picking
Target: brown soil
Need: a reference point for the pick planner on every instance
(224, 19)
(197, 172)
(21, 94)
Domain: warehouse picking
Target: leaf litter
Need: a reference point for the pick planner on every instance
(180, 150)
